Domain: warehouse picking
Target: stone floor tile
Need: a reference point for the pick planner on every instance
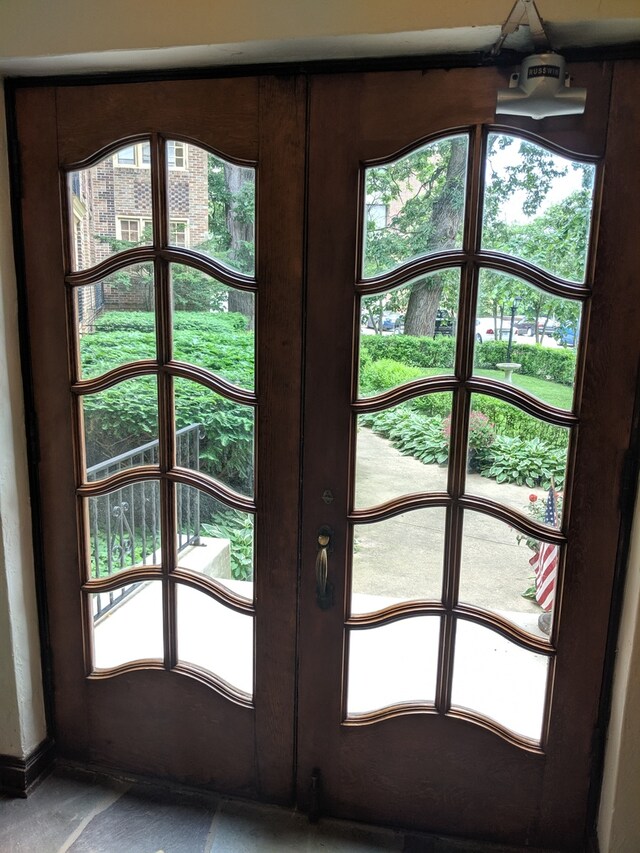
(147, 820)
(53, 813)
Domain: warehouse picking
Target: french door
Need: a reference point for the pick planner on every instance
(205, 261)
(167, 657)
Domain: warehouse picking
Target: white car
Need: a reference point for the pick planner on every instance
(524, 335)
(486, 329)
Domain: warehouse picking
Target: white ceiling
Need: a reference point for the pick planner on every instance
(434, 42)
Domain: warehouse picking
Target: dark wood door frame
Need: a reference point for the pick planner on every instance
(198, 736)
(533, 797)
(607, 441)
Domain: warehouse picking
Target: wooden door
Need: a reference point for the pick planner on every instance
(163, 257)
(429, 694)
(411, 577)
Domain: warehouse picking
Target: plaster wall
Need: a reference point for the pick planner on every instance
(619, 818)
(22, 721)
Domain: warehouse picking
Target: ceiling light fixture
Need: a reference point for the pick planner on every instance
(541, 86)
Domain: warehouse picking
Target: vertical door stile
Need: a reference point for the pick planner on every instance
(166, 445)
(77, 417)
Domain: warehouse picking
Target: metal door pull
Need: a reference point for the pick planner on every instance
(324, 589)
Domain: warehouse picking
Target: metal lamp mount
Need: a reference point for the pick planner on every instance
(541, 86)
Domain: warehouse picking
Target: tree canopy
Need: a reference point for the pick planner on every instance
(526, 214)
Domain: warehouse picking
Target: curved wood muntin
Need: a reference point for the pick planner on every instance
(470, 258)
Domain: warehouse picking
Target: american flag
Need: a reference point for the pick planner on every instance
(545, 562)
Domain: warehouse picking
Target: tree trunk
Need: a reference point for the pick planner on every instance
(424, 300)
(240, 233)
(447, 212)
(242, 303)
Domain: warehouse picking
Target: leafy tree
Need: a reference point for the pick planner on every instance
(554, 239)
(232, 225)
(424, 193)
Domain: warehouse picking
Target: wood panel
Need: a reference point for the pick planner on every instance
(427, 770)
(224, 111)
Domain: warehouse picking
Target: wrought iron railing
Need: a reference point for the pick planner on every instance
(124, 525)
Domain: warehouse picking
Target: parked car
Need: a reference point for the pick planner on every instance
(547, 324)
(445, 323)
(390, 321)
(486, 329)
(566, 335)
(523, 327)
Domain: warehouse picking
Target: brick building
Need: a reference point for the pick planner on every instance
(111, 210)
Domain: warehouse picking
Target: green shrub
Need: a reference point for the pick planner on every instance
(411, 433)
(553, 365)
(384, 374)
(378, 376)
(410, 351)
(481, 436)
(530, 463)
(507, 459)
(125, 415)
(514, 423)
(508, 419)
(237, 527)
(144, 321)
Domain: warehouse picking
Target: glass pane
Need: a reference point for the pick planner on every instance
(127, 624)
(115, 320)
(409, 332)
(496, 678)
(110, 207)
(403, 450)
(215, 638)
(214, 435)
(527, 338)
(508, 572)
(537, 206)
(215, 540)
(119, 423)
(414, 206)
(399, 559)
(124, 529)
(213, 326)
(516, 459)
(393, 663)
(215, 202)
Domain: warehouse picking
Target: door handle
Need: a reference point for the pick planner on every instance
(324, 589)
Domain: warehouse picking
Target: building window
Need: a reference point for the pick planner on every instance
(176, 155)
(129, 230)
(139, 156)
(377, 213)
(178, 233)
(126, 156)
(136, 229)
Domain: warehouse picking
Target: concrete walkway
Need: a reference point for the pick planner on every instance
(402, 558)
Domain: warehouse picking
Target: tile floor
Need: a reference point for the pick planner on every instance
(88, 815)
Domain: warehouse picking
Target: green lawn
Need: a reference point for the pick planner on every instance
(550, 392)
